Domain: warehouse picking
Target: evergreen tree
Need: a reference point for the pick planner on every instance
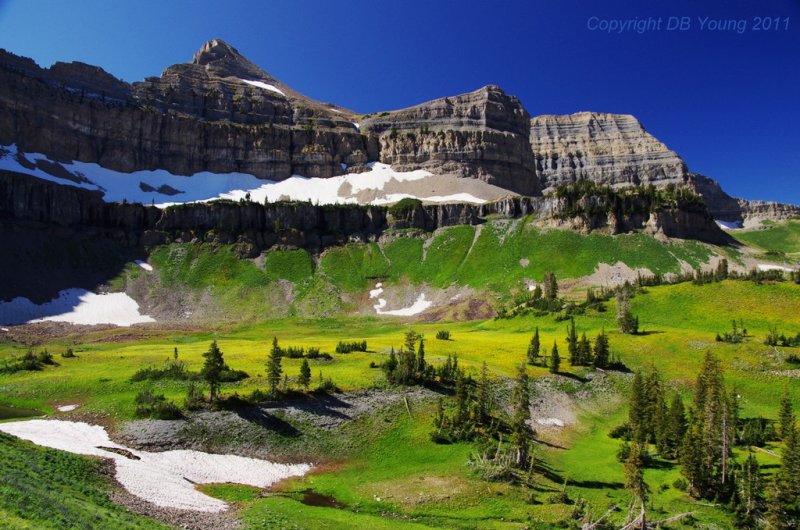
(521, 434)
(601, 352)
(537, 292)
(638, 409)
(555, 359)
(421, 366)
(213, 366)
(790, 463)
(675, 426)
(786, 417)
(533, 348)
(634, 476)
(483, 397)
(304, 378)
(462, 395)
(749, 492)
(584, 351)
(550, 286)
(572, 343)
(274, 370)
(410, 340)
(390, 366)
(625, 319)
(779, 505)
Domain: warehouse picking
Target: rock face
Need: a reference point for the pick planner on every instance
(612, 149)
(222, 113)
(482, 134)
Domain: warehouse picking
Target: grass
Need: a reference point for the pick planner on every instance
(777, 237)
(385, 470)
(43, 488)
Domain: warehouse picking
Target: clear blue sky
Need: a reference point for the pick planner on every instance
(727, 101)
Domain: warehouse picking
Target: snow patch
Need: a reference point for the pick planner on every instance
(165, 479)
(265, 86)
(76, 306)
(767, 267)
(550, 422)
(728, 225)
(67, 408)
(144, 265)
(205, 186)
(417, 307)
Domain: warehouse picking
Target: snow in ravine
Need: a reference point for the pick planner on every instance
(76, 306)
(163, 189)
(265, 86)
(166, 479)
(728, 225)
(767, 267)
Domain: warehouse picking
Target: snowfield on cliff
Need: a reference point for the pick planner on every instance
(380, 185)
(76, 306)
(166, 479)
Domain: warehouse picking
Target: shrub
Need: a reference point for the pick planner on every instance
(348, 347)
(680, 484)
(172, 370)
(327, 386)
(149, 405)
(443, 335)
(68, 354)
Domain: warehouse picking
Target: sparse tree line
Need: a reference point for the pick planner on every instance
(582, 351)
(215, 371)
(702, 438)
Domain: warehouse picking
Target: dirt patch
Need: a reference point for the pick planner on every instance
(614, 275)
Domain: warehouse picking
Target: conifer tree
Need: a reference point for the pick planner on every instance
(786, 417)
(634, 476)
(390, 366)
(601, 352)
(550, 286)
(533, 348)
(638, 409)
(483, 397)
(521, 434)
(779, 505)
(213, 366)
(675, 426)
(462, 400)
(421, 366)
(555, 359)
(625, 319)
(304, 378)
(274, 369)
(749, 495)
(572, 343)
(584, 351)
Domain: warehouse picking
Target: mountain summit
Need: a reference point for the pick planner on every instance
(223, 60)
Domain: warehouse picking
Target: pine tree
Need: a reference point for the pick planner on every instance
(421, 366)
(690, 457)
(521, 434)
(779, 503)
(410, 340)
(390, 367)
(212, 369)
(462, 396)
(749, 492)
(274, 369)
(790, 463)
(572, 343)
(638, 409)
(584, 351)
(533, 348)
(634, 476)
(625, 319)
(550, 286)
(555, 359)
(675, 426)
(483, 397)
(786, 417)
(601, 352)
(304, 378)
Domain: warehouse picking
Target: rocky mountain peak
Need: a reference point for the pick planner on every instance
(223, 60)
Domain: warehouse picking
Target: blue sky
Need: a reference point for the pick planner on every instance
(728, 101)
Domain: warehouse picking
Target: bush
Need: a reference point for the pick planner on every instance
(229, 375)
(348, 347)
(327, 386)
(680, 484)
(621, 432)
(194, 398)
(69, 354)
(172, 370)
(149, 405)
(443, 335)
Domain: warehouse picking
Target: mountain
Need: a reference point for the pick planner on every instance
(221, 114)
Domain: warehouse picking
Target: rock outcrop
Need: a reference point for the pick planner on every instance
(611, 149)
(482, 134)
(222, 113)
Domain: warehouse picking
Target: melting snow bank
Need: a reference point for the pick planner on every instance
(165, 479)
(144, 265)
(67, 408)
(728, 225)
(76, 306)
(764, 267)
(163, 189)
(417, 307)
(265, 86)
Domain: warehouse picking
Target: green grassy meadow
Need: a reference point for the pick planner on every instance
(382, 469)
